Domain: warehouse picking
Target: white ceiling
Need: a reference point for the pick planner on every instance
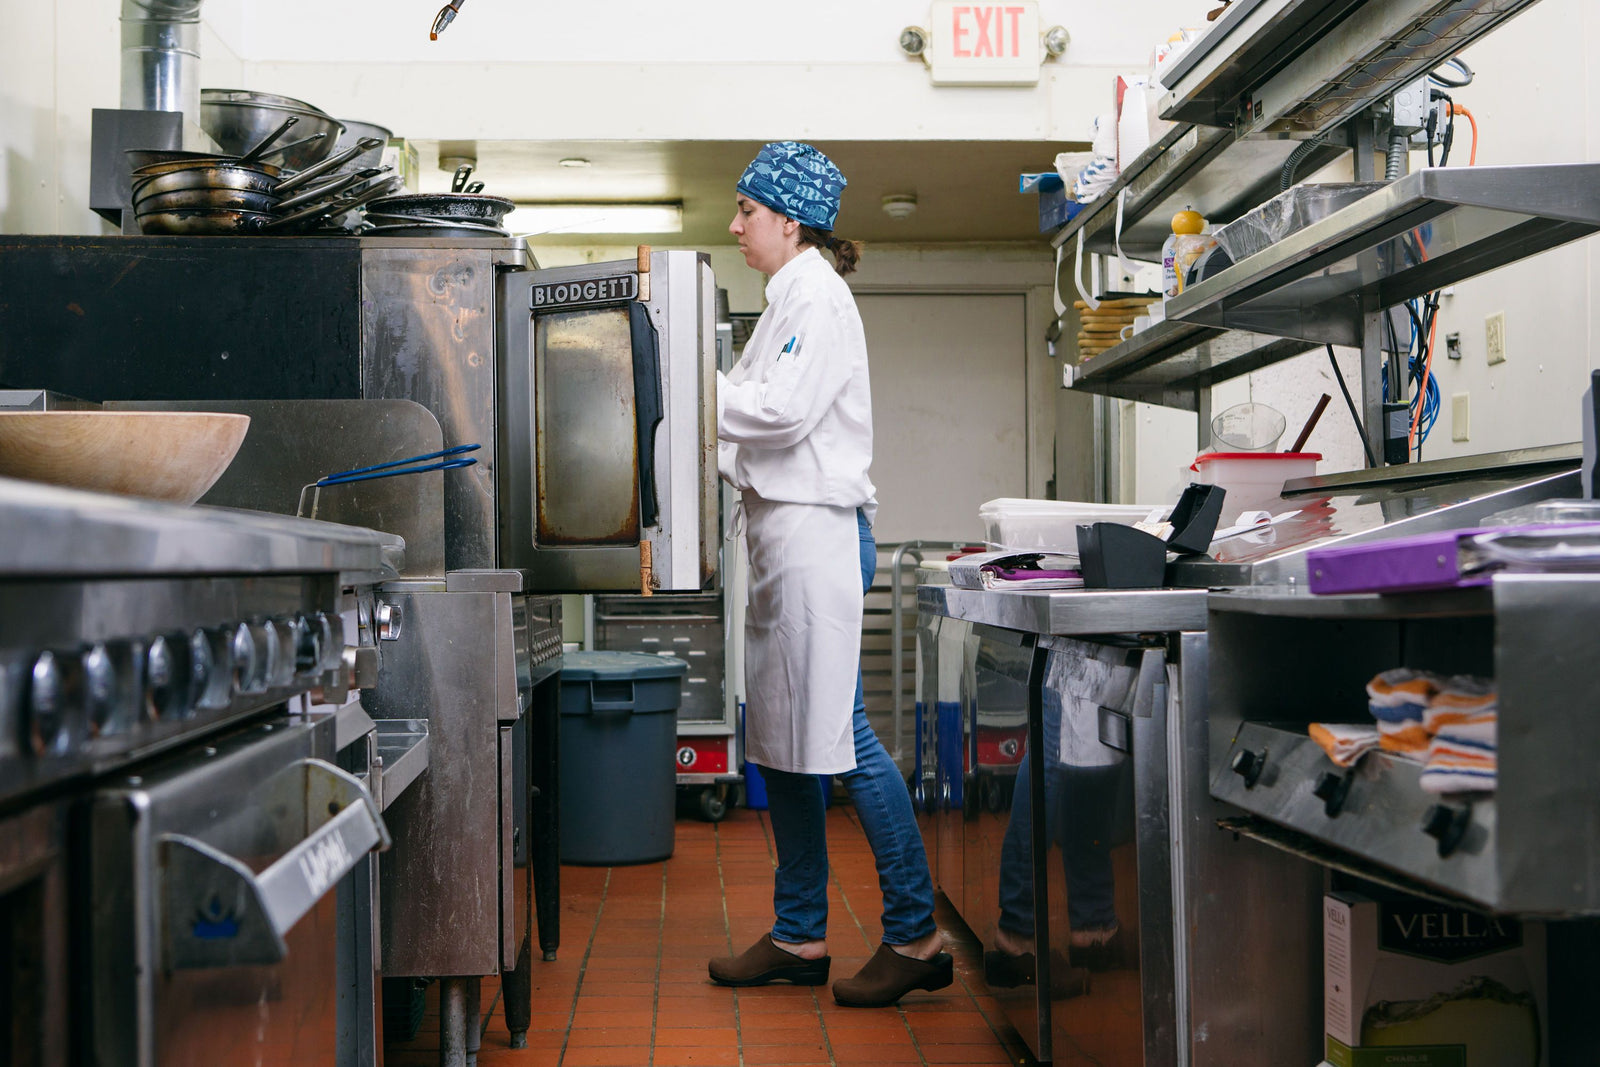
(966, 190)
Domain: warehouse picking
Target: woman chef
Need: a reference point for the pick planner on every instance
(795, 422)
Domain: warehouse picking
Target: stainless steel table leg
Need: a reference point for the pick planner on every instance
(474, 1019)
(516, 994)
(453, 1021)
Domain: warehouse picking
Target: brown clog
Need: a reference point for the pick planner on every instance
(764, 962)
(888, 976)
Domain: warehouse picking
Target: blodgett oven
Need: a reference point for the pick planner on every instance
(608, 424)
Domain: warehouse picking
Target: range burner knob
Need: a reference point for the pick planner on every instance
(330, 635)
(277, 638)
(170, 678)
(1249, 765)
(211, 668)
(100, 691)
(46, 716)
(1332, 789)
(1448, 825)
(247, 647)
(307, 645)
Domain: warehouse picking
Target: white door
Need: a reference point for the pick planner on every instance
(949, 409)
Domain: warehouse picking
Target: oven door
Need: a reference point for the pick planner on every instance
(214, 923)
(607, 425)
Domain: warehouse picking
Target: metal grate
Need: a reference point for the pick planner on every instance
(1368, 69)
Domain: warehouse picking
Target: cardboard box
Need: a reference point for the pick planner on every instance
(1408, 981)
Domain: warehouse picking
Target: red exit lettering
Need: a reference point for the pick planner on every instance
(988, 24)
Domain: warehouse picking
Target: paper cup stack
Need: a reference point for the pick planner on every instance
(1101, 328)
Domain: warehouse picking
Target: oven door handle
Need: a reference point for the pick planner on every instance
(220, 913)
(647, 406)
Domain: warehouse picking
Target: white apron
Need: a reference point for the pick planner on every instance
(802, 635)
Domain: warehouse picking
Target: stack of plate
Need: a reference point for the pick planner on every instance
(438, 215)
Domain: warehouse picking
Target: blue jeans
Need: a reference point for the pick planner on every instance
(882, 803)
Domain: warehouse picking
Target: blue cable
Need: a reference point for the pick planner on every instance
(1428, 397)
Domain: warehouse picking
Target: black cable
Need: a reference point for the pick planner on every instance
(1454, 83)
(1360, 429)
(1449, 127)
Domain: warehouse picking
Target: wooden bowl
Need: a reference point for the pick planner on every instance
(161, 455)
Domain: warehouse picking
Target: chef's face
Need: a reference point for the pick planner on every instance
(767, 239)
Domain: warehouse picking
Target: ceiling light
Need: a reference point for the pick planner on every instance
(900, 205)
(574, 161)
(534, 219)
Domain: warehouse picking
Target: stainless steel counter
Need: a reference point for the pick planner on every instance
(46, 531)
(1071, 612)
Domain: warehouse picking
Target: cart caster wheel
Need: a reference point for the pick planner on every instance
(713, 806)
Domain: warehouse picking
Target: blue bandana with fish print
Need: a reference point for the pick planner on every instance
(796, 180)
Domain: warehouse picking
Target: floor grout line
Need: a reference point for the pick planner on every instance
(583, 967)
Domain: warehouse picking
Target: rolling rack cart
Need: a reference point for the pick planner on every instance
(692, 628)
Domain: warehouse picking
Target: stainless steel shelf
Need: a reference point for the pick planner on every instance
(1168, 363)
(1252, 41)
(1302, 67)
(1080, 611)
(1424, 231)
(403, 747)
(1440, 604)
(1197, 167)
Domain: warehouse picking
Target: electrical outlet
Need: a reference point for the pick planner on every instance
(1460, 415)
(1495, 337)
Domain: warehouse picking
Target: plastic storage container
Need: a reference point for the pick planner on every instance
(1253, 480)
(619, 720)
(1051, 525)
(1287, 212)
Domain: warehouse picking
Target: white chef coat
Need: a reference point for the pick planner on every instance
(796, 425)
(795, 422)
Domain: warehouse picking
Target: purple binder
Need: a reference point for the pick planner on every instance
(1451, 559)
(1422, 561)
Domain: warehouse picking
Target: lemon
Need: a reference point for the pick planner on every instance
(1188, 222)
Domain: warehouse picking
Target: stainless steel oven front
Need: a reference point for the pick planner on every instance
(607, 425)
(212, 917)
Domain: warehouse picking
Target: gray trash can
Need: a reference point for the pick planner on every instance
(619, 726)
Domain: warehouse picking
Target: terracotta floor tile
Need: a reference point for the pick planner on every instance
(508, 1057)
(622, 1056)
(765, 1055)
(781, 1032)
(609, 1037)
(696, 1057)
(630, 989)
(600, 1020)
(696, 1036)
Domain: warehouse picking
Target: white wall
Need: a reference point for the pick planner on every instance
(58, 61)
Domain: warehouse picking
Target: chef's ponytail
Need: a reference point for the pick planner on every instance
(846, 254)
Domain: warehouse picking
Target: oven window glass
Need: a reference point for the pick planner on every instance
(586, 429)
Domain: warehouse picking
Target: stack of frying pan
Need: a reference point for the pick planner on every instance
(462, 212)
(191, 193)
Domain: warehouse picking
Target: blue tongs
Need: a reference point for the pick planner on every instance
(449, 459)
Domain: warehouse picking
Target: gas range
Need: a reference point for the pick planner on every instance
(127, 627)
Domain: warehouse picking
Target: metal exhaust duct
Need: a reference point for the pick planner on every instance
(161, 56)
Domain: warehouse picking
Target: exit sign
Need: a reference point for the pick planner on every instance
(984, 44)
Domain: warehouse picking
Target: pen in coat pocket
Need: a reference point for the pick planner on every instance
(793, 348)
